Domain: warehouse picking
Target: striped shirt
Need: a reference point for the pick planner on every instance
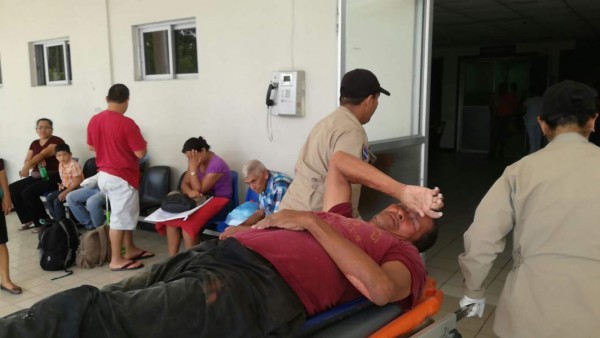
(277, 185)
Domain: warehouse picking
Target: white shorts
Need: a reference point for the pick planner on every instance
(124, 201)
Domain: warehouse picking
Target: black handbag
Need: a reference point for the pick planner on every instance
(177, 202)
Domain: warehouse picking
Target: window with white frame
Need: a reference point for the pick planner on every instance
(167, 50)
(50, 62)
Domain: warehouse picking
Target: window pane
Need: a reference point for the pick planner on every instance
(69, 61)
(56, 63)
(186, 57)
(39, 65)
(156, 52)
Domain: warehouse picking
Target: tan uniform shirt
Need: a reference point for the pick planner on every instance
(339, 131)
(551, 202)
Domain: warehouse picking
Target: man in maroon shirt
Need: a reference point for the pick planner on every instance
(262, 282)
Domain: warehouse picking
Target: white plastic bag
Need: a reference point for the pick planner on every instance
(90, 182)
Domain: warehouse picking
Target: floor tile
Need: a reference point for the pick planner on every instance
(9, 309)
(467, 333)
(475, 323)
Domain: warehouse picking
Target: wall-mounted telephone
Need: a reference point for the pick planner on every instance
(285, 94)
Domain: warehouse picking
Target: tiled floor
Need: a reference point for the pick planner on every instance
(25, 268)
(464, 179)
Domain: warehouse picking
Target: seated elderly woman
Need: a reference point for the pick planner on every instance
(26, 192)
(207, 174)
(262, 282)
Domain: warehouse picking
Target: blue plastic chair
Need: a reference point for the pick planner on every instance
(251, 196)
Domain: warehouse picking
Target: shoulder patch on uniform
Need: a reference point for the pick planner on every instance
(365, 153)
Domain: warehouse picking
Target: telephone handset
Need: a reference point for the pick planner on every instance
(270, 102)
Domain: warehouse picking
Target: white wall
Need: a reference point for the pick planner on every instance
(240, 43)
(68, 106)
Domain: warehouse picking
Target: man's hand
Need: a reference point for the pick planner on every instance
(287, 219)
(422, 200)
(230, 230)
(477, 309)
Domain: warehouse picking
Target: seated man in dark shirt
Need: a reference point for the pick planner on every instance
(262, 282)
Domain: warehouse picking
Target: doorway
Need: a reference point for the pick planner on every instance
(479, 79)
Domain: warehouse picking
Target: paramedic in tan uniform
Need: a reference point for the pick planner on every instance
(341, 130)
(549, 203)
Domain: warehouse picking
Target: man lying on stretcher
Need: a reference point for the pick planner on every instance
(261, 282)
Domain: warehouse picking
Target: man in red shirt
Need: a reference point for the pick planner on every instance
(261, 282)
(503, 106)
(119, 145)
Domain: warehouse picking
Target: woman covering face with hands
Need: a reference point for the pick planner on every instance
(206, 174)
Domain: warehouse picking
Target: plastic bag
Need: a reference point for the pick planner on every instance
(90, 182)
(241, 213)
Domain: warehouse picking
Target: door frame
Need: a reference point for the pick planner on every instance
(420, 97)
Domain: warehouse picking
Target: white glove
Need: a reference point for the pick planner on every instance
(477, 309)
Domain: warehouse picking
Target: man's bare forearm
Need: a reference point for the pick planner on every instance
(345, 169)
(368, 277)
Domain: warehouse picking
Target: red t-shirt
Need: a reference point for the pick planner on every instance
(51, 162)
(314, 276)
(115, 137)
(507, 105)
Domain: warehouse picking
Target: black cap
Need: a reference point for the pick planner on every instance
(568, 98)
(360, 83)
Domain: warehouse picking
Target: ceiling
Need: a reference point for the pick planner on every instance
(502, 22)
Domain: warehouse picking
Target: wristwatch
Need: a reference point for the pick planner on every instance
(193, 173)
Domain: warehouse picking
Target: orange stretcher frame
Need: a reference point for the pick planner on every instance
(428, 305)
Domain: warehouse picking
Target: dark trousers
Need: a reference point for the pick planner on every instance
(25, 195)
(215, 289)
(55, 206)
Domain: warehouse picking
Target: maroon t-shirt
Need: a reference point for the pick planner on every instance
(1, 164)
(51, 162)
(314, 276)
(115, 138)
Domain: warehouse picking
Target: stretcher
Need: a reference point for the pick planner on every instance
(361, 318)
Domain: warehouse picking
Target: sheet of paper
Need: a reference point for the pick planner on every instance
(161, 216)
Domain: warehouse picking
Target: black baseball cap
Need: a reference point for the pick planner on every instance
(568, 98)
(360, 83)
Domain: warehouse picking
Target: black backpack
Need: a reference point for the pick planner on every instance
(58, 246)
